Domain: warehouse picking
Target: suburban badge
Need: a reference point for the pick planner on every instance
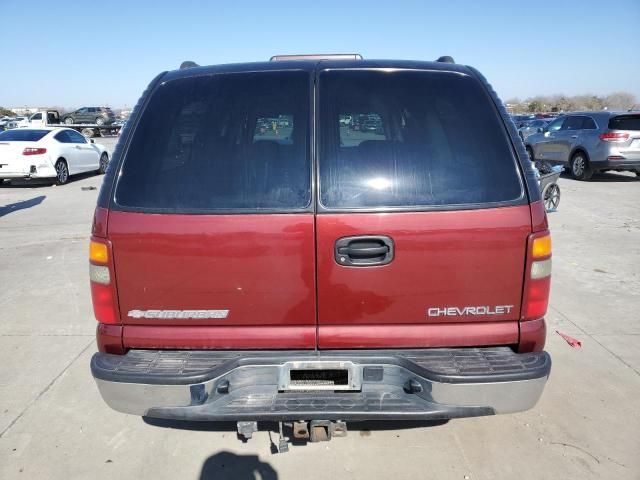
(181, 314)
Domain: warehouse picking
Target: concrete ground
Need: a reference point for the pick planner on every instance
(54, 425)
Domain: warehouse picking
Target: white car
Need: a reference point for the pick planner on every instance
(45, 152)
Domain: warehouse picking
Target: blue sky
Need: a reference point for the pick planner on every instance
(71, 54)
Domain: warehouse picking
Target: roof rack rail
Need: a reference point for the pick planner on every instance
(318, 56)
(188, 64)
(446, 59)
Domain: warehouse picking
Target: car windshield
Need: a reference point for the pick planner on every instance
(22, 135)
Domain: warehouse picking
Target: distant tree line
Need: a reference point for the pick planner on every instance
(564, 103)
(5, 112)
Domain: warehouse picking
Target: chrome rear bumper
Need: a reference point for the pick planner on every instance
(404, 384)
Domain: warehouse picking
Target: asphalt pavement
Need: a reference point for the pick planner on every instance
(54, 425)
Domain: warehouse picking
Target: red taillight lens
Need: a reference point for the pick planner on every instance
(614, 137)
(104, 305)
(103, 290)
(34, 151)
(538, 277)
(536, 298)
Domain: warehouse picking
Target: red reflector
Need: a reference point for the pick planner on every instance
(104, 305)
(536, 298)
(615, 157)
(34, 151)
(614, 137)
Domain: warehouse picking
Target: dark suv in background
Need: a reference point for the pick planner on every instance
(589, 142)
(314, 274)
(94, 115)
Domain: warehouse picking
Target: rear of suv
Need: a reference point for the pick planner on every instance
(590, 142)
(248, 269)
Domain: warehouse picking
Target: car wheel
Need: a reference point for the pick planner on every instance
(580, 169)
(69, 121)
(104, 163)
(551, 197)
(530, 153)
(99, 121)
(62, 172)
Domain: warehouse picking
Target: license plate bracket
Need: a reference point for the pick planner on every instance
(320, 376)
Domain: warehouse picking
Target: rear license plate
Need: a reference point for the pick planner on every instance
(319, 375)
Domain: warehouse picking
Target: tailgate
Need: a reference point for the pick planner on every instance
(215, 246)
(423, 221)
(222, 271)
(455, 279)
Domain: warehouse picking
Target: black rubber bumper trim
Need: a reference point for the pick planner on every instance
(422, 410)
(427, 363)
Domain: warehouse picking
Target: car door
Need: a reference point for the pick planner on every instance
(567, 136)
(86, 157)
(221, 206)
(35, 120)
(421, 230)
(81, 115)
(69, 151)
(91, 115)
(546, 147)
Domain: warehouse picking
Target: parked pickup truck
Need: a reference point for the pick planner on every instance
(317, 275)
(51, 118)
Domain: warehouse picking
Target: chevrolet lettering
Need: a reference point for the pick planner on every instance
(465, 311)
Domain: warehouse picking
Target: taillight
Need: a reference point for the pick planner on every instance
(614, 137)
(538, 277)
(103, 292)
(34, 151)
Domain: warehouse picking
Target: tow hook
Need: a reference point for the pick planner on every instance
(312, 431)
(319, 430)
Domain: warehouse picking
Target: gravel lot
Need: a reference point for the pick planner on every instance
(54, 425)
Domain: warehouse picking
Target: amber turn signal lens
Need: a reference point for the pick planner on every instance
(541, 247)
(98, 252)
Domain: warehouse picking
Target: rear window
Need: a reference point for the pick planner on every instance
(221, 142)
(625, 122)
(414, 139)
(22, 135)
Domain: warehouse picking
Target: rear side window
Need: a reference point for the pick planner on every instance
(63, 137)
(221, 142)
(20, 135)
(75, 137)
(625, 122)
(424, 139)
(573, 123)
(588, 123)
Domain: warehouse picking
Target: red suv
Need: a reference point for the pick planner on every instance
(255, 258)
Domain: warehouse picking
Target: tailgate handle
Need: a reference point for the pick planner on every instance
(364, 250)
